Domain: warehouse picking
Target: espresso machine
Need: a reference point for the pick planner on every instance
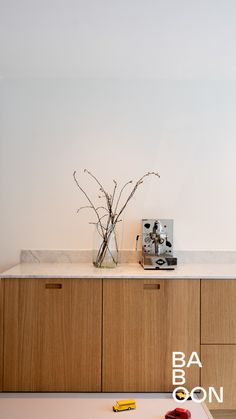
(157, 244)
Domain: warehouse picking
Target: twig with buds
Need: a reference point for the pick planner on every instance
(113, 211)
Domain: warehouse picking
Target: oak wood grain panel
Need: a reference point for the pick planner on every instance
(218, 311)
(223, 414)
(141, 328)
(1, 332)
(52, 335)
(219, 369)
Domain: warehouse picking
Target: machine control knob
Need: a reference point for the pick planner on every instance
(160, 262)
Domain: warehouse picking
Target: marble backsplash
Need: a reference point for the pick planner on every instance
(72, 256)
(125, 256)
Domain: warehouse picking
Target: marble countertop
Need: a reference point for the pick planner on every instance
(126, 270)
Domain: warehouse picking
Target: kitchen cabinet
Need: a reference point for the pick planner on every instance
(218, 338)
(1, 333)
(219, 370)
(218, 312)
(52, 335)
(143, 322)
(115, 334)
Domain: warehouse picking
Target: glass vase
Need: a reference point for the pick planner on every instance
(105, 249)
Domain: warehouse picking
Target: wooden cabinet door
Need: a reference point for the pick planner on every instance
(219, 370)
(1, 333)
(52, 335)
(218, 311)
(143, 322)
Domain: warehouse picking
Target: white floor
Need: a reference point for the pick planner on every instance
(90, 406)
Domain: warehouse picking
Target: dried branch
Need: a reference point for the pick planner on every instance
(138, 183)
(114, 192)
(86, 195)
(86, 206)
(101, 188)
(102, 208)
(121, 191)
(113, 212)
(103, 216)
(97, 224)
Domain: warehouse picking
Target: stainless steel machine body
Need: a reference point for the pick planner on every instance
(157, 244)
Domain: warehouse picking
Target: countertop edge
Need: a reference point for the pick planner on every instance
(125, 271)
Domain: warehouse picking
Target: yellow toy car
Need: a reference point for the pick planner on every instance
(124, 405)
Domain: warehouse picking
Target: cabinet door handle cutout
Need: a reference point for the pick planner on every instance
(53, 286)
(151, 286)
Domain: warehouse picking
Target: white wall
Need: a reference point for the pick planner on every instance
(169, 106)
(117, 129)
(168, 39)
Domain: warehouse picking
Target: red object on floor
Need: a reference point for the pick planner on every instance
(178, 413)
